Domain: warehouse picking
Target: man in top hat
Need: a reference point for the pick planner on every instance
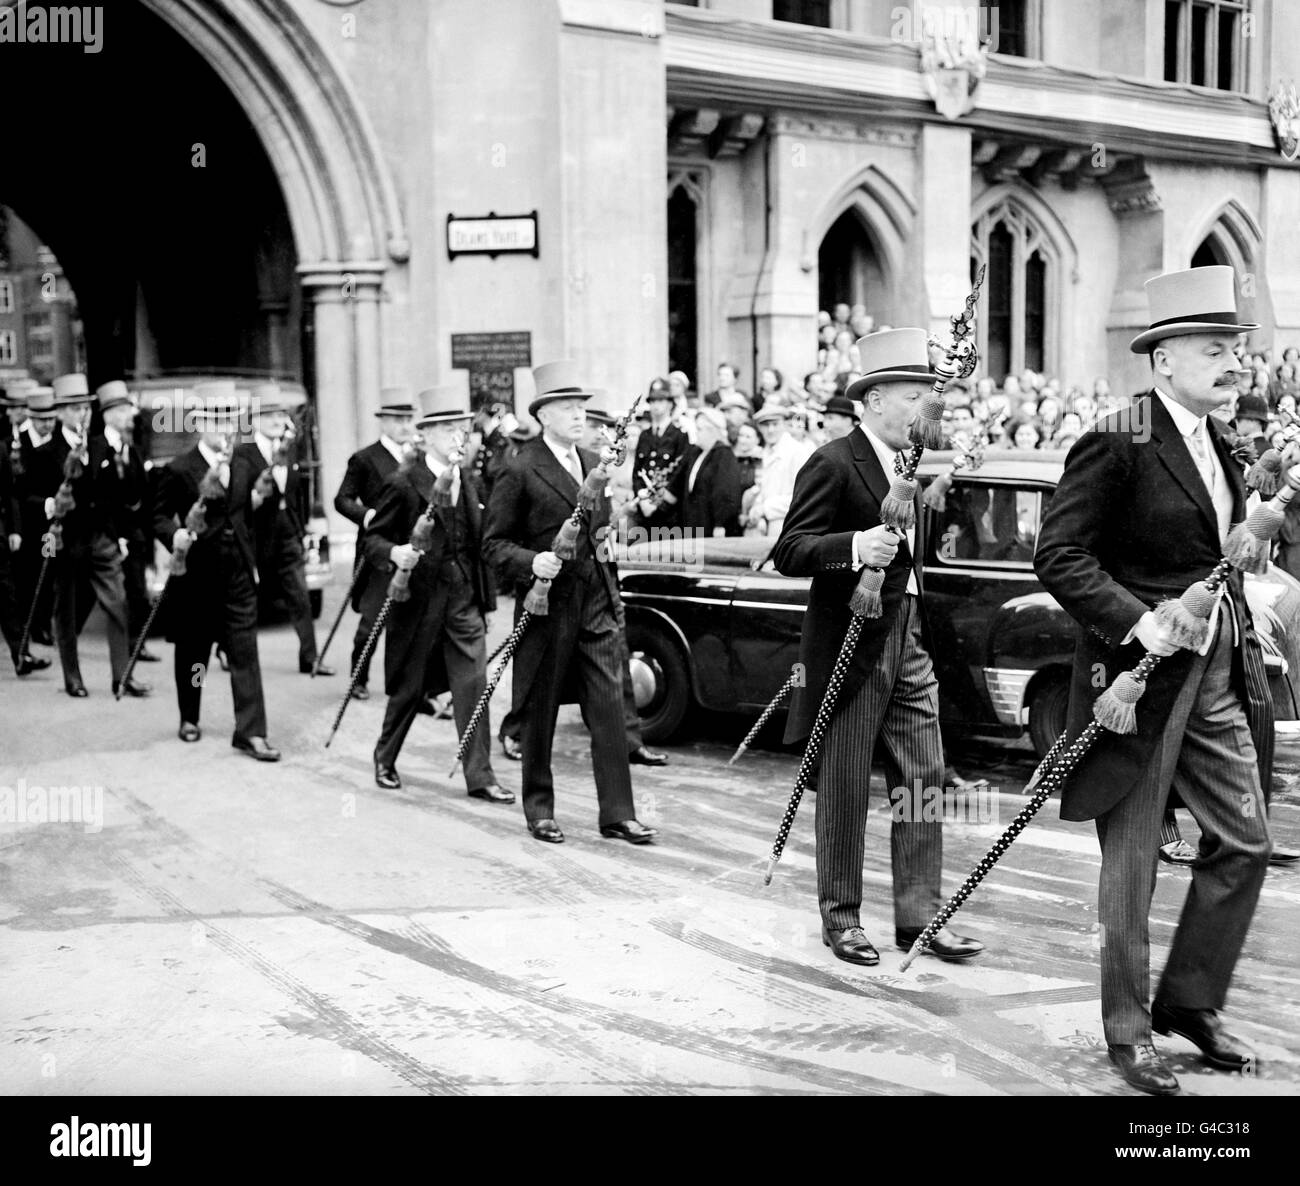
(1141, 512)
(436, 639)
(889, 699)
(215, 601)
(660, 458)
(782, 459)
(132, 478)
(580, 642)
(840, 418)
(30, 428)
(357, 499)
(87, 568)
(266, 476)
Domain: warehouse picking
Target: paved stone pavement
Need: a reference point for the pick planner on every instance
(235, 927)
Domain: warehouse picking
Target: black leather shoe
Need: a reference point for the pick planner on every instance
(74, 687)
(188, 732)
(147, 656)
(1143, 1068)
(1279, 856)
(852, 946)
(425, 708)
(387, 777)
(26, 664)
(633, 831)
(257, 747)
(1203, 1028)
(132, 687)
(512, 749)
(493, 794)
(547, 830)
(323, 669)
(1178, 852)
(946, 945)
(647, 757)
(361, 692)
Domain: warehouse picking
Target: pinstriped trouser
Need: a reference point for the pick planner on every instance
(1207, 753)
(898, 706)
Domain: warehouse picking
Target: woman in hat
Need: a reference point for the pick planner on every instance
(711, 506)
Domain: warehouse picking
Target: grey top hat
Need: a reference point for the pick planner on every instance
(892, 356)
(1196, 301)
(443, 405)
(558, 380)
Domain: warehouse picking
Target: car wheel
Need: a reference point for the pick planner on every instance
(317, 600)
(1048, 709)
(660, 684)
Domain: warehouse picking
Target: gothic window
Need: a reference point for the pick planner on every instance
(1020, 317)
(684, 214)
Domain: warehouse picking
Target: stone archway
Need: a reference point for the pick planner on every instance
(342, 204)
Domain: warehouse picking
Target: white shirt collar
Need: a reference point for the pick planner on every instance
(436, 467)
(562, 454)
(70, 436)
(113, 437)
(392, 446)
(1187, 422)
(265, 445)
(885, 453)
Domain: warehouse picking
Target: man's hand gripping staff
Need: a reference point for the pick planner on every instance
(547, 565)
(898, 514)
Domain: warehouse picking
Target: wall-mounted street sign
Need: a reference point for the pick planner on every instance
(493, 234)
(491, 359)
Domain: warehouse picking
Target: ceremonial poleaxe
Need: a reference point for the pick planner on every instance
(1188, 619)
(781, 693)
(565, 546)
(897, 512)
(399, 586)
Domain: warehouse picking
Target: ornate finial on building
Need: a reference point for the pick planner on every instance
(1284, 110)
(953, 57)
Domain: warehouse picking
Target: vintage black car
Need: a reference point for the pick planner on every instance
(711, 625)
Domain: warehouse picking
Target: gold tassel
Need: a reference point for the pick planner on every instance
(935, 495)
(538, 600)
(899, 510)
(566, 539)
(422, 534)
(927, 428)
(1266, 474)
(593, 486)
(866, 602)
(1249, 544)
(1188, 630)
(399, 588)
(1116, 708)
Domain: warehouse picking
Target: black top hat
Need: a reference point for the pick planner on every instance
(837, 405)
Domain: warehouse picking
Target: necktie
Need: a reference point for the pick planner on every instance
(571, 464)
(1202, 456)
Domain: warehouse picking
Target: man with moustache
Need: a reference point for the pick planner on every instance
(215, 601)
(889, 699)
(357, 500)
(580, 641)
(1141, 512)
(87, 568)
(267, 477)
(436, 638)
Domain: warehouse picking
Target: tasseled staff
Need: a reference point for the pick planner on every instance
(399, 585)
(782, 692)
(898, 512)
(196, 522)
(1188, 618)
(537, 601)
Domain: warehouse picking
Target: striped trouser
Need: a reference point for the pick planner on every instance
(1206, 752)
(897, 706)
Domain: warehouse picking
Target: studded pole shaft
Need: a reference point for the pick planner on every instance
(139, 642)
(338, 619)
(781, 694)
(821, 722)
(375, 630)
(507, 652)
